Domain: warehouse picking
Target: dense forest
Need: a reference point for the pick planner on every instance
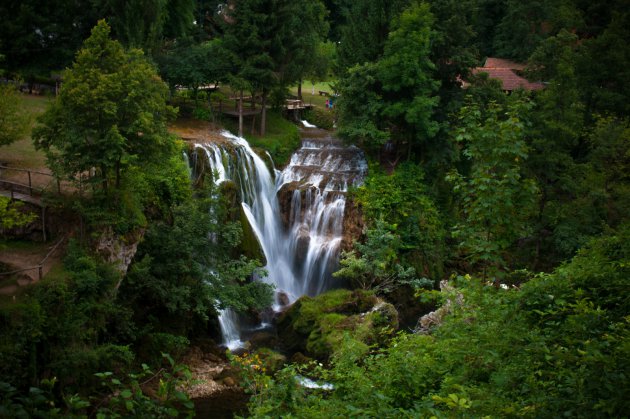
(489, 275)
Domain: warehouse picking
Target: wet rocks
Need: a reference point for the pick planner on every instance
(435, 318)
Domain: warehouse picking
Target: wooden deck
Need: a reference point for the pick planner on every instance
(294, 104)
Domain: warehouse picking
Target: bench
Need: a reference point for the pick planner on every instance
(324, 93)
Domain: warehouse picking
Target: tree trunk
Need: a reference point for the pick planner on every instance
(299, 95)
(240, 115)
(118, 174)
(104, 178)
(263, 115)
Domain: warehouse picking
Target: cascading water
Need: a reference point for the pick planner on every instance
(301, 246)
(228, 321)
(317, 178)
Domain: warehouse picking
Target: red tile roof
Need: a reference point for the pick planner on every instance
(505, 71)
(503, 63)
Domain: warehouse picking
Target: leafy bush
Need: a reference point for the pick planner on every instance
(322, 118)
(556, 347)
(403, 201)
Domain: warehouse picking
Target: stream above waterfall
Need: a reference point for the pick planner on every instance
(296, 214)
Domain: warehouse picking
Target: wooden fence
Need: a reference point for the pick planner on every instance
(25, 188)
(39, 266)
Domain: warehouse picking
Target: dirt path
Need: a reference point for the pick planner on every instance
(28, 256)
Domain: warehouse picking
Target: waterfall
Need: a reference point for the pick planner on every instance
(301, 247)
(228, 321)
(318, 174)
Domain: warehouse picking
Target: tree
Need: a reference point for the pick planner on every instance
(365, 30)
(452, 51)
(308, 32)
(374, 265)
(604, 63)
(185, 267)
(110, 114)
(146, 23)
(401, 198)
(11, 215)
(15, 122)
(405, 71)
(250, 32)
(39, 36)
(522, 28)
(496, 199)
(393, 96)
(557, 125)
(193, 65)
(271, 42)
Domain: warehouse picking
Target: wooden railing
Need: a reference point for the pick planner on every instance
(39, 266)
(26, 188)
(18, 187)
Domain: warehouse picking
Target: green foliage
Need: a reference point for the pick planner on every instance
(272, 45)
(360, 111)
(557, 346)
(452, 51)
(496, 200)
(37, 404)
(394, 91)
(110, 115)
(14, 121)
(577, 199)
(405, 72)
(322, 62)
(185, 268)
(321, 118)
(521, 28)
(603, 63)
(609, 160)
(195, 65)
(364, 30)
(121, 399)
(318, 325)
(403, 201)
(11, 216)
(281, 139)
(38, 37)
(60, 327)
(146, 23)
(376, 266)
(129, 400)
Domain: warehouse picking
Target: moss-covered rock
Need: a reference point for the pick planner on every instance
(271, 360)
(322, 118)
(250, 246)
(316, 326)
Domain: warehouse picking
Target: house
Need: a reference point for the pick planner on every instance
(508, 73)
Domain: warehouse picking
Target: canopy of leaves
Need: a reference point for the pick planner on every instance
(496, 199)
(15, 122)
(557, 346)
(392, 97)
(110, 115)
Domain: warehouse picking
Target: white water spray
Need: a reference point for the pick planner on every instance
(301, 254)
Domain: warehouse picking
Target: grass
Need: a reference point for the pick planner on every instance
(281, 139)
(314, 99)
(22, 245)
(22, 153)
